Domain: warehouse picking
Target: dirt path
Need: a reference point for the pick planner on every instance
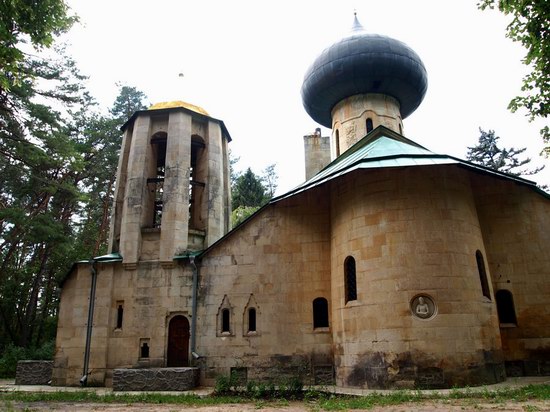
(429, 406)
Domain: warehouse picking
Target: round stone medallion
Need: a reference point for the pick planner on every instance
(423, 307)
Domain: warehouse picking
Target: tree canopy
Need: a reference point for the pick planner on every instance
(487, 153)
(58, 158)
(530, 26)
(249, 191)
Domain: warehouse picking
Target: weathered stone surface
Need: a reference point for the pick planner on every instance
(155, 379)
(33, 372)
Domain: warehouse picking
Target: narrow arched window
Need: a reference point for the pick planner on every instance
(252, 320)
(225, 320)
(400, 129)
(350, 279)
(337, 143)
(369, 125)
(119, 314)
(505, 307)
(320, 313)
(482, 275)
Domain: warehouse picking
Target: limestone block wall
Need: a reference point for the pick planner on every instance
(516, 228)
(152, 294)
(72, 325)
(411, 231)
(149, 295)
(277, 263)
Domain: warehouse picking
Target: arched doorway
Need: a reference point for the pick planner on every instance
(178, 342)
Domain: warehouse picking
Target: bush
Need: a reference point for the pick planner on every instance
(8, 361)
(12, 354)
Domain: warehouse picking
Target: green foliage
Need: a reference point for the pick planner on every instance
(57, 165)
(530, 26)
(248, 191)
(291, 388)
(487, 153)
(223, 385)
(242, 213)
(23, 21)
(128, 101)
(12, 354)
(315, 400)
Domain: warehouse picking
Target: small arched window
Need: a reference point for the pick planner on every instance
(482, 275)
(337, 143)
(505, 307)
(369, 125)
(226, 320)
(400, 129)
(320, 313)
(350, 279)
(252, 320)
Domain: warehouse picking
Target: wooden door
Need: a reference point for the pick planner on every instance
(178, 342)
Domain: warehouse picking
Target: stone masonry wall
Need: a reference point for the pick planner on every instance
(515, 221)
(411, 232)
(155, 379)
(277, 263)
(33, 372)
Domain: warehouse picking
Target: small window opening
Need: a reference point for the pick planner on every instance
(400, 129)
(505, 307)
(337, 143)
(144, 352)
(225, 320)
(482, 275)
(119, 314)
(156, 182)
(252, 320)
(320, 313)
(369, 125)
(350, 279)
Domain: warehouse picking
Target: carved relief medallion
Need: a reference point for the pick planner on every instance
(423, 307)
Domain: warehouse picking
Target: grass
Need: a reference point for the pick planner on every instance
(317, 400)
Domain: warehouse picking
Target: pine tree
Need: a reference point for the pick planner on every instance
(487, 153)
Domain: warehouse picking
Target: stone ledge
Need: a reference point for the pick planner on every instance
(33, 372)
(156, 379)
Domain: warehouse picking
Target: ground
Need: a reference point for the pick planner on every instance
(430, 406)
(527, 394)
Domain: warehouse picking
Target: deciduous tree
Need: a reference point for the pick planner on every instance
(530, 26)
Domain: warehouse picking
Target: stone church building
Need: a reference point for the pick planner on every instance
(390, 266)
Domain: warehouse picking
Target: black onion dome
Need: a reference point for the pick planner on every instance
(363, 63)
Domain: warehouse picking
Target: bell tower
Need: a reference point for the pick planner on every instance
(172, 194)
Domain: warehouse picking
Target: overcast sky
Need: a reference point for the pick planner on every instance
(244, 62)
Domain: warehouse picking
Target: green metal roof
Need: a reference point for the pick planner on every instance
(384, 148)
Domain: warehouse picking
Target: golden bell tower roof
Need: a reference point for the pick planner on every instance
(179, 103)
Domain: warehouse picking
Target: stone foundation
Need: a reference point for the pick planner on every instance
(33, 372)
(156, 379)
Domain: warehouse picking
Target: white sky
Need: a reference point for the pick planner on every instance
(244, 62)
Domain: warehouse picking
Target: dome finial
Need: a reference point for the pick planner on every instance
(356, 25)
